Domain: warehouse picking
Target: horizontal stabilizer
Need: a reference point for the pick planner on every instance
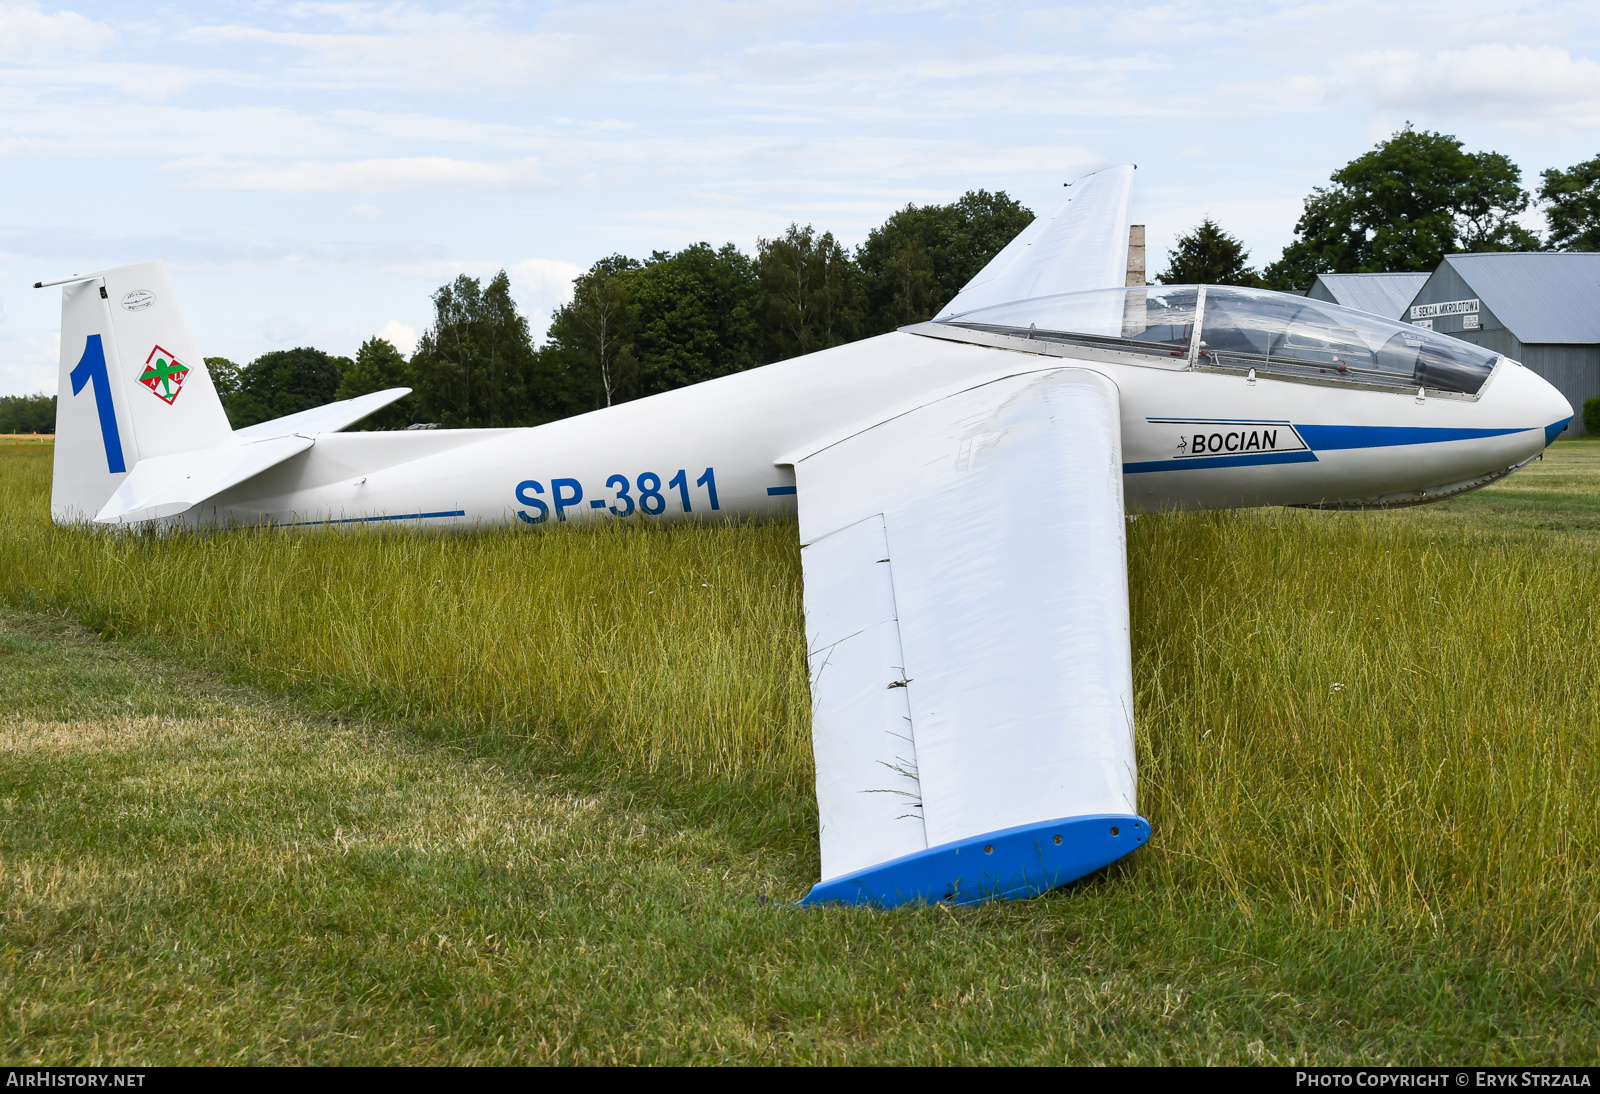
(164, 486)
(323, 419)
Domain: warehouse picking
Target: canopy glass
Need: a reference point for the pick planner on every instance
(1273, 333)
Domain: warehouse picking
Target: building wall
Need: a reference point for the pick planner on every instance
(1574, 370)
(1499, 340)
(1446, 284)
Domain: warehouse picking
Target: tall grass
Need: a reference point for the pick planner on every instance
(653, 643)
(1353, 717)
(1342, 718)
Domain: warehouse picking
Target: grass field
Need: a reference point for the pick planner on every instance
(520, 797)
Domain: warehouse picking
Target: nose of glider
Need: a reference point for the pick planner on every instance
(1521, 398)
(1555, 411)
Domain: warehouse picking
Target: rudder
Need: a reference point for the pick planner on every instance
(132, 386)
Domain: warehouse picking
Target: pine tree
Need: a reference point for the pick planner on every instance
(1208, 256)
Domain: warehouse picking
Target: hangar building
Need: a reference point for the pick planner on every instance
(1385, 294)
(1542, 309)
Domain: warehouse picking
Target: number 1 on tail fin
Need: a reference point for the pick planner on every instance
(92, 366)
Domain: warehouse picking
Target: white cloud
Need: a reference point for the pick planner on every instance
(584, 162)
(107, 127)
(400, 336)
(407, 46)
(129, 80)
(1524, 87)
(28, 36)
(547, 277)
(367, 212)
(414, 174)
(29, 365)
(280, 329)
(542, 285)
(441, 56)
(440, 272)
(27, 378)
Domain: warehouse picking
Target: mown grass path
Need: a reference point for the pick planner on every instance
(310, 806)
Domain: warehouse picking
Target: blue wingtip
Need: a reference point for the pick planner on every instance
(1555, 429)
(1011, 864)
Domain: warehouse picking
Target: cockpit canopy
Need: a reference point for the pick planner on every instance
(1273, 333)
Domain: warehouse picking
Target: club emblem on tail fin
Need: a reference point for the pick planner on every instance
(163, 374)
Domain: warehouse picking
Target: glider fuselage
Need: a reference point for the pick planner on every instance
(1190, 439)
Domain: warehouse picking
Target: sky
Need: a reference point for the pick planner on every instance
(312, 172)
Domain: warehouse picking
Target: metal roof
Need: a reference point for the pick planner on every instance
(1385, 294)
(1539, 297)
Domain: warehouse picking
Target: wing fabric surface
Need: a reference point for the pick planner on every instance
(967, 621)
(1082, 245)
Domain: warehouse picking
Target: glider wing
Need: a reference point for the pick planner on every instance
(967, 621)
(1082, 245)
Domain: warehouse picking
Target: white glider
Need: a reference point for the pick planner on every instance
(961, 488)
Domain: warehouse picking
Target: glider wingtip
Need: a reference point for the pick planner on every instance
(1010, 864)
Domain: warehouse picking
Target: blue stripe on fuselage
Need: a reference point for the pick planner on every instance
(374, 520)
(1325, 438)
(1328, 438)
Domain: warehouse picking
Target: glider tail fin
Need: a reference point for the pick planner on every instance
(132, 386)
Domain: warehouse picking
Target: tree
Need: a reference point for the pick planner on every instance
(475, 366)
(282, 382)
(1403, 206)
(918, 259)
(379, 366)
(1208, 256)
(698, 316)
(1573, 209)
(28, 414)
(813, 291)
(226, 378)
(903, 288)
(638, 328)
(596, 332)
